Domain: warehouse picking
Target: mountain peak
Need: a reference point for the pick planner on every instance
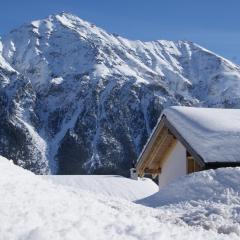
(69, 17)
(86, 101)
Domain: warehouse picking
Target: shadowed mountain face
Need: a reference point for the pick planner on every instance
(77, 100)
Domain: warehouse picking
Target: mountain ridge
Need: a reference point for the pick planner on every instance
(77, 100)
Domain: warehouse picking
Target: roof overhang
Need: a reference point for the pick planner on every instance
(159, 146)
(156, 151)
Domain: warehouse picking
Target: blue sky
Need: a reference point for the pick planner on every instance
(214, 24)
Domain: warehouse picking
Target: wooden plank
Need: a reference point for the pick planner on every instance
(152, 171)
(149, 155)
(168, 148)
(161, 153)
(190, 165)
(150, 144)
(162, 148)
(158, 146)
(153, 155)
(197, 167)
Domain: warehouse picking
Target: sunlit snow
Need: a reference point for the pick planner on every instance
(201, 206)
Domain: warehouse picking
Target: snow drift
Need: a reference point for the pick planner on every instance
(210, 199)
(108, 185)
(32, 208)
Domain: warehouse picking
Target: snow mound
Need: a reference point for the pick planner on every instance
(109, 185)
(210, 199)
(36, 209)
(213, 126)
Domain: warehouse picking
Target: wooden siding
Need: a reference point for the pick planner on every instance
(157, 151)
(192, 165)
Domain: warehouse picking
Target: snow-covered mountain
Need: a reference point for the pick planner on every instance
(76, 99)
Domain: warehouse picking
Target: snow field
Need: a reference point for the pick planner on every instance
(34, 208)
(109, 185)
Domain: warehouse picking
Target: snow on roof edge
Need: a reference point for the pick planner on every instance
(167, 112)
(213, 133)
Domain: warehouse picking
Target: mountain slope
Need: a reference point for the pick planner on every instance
(85, 101)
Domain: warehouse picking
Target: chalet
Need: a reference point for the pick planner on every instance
(188, 139)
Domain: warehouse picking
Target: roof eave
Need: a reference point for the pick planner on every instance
(214, 165)
(184, 142)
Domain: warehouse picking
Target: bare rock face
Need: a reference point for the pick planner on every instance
(77, 100)
(18, 140)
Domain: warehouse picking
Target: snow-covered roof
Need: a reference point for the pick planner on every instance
(213, 133)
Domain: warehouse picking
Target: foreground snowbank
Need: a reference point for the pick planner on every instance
(32, 208)
(108, 185)
(210, 199)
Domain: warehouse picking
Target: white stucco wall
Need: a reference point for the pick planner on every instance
(174, 166)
